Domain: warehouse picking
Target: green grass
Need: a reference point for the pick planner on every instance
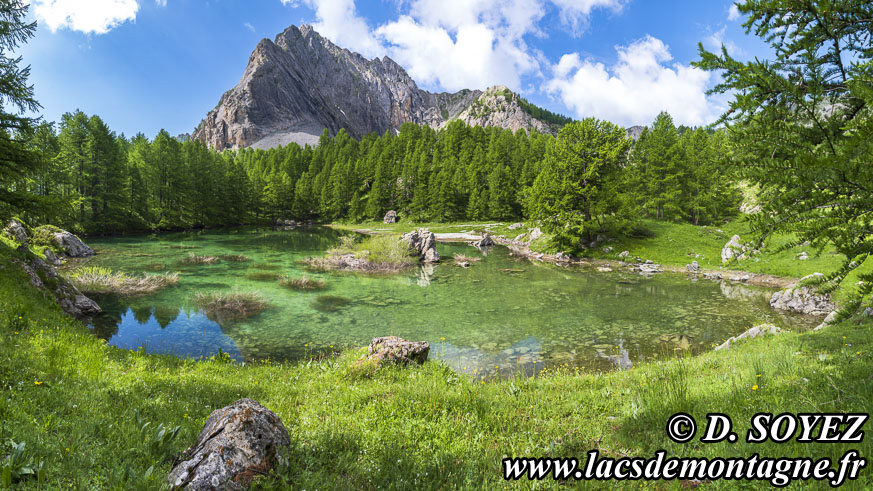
(73, 401)
(381, 253)
(91, 279)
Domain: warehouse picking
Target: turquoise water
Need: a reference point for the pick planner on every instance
(501, 313)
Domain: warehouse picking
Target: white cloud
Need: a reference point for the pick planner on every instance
(716, 40)
(636, 88)
(453, 44)
(733, 12)
(575, 13)
(88, 16)
(338, 21)
(248, 26)
(161, 3)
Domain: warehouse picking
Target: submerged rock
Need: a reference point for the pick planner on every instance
(754, 332)
(72, 245)
(393, 349)
(803, 299)
(390, 217)
(237, 443)
(423, 241)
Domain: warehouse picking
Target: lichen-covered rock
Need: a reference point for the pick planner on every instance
(734, 249)
(237, 443)
(16, 230)
(72, 245)
(485, 241)
(423, 241)
(392, 349)
(803, 299)
(390, 217)
(754, 332)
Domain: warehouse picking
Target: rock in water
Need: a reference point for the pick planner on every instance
(423, 242)
(392, 349)
(390, 217)
(16, 230)
(72, 245)
(237, 443)
(733, 249)
(485, 241)
(803, 299)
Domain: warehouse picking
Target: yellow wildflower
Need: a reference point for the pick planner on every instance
(754, 387)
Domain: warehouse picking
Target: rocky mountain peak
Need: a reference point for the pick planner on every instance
(300, 84)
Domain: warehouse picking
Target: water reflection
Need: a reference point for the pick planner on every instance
(185, 334)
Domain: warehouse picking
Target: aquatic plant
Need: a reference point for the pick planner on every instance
(329, 303)
(374, 254)
(99, 280)
(182, 246)
(303, 283)
(262, 276)
(267, 266)
(195, 259)
(235, 258)
(228, 306)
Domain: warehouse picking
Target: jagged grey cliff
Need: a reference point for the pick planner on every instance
(300, 83)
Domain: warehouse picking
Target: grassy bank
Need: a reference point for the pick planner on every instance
(73, 401)
(670, 244)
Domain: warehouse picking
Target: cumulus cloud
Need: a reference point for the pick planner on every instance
(575, 13)
(88, 16)
(454, 44)
(161, 3)
(733, 12)
(716, 40)
(634, 90)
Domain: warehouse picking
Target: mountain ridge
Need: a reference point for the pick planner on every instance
(300, 83)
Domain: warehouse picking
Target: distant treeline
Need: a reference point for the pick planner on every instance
(94, 181)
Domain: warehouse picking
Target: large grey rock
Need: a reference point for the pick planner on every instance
(16, 230)
(762, 330)
(393, 349)
(237, 443)
(516, 225)
(803, 299)
(535, 234)
(390, 217)
(734, 249)
(299, 84)
(46, 278)
(423, 241)
(693, 267)
(51, 257)
(830, 319)
(72, 245)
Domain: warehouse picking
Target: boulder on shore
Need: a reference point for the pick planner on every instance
(390, 217)
(803, 299)
(423, 241)
(237, 443)
(693, 267)
(16, 230)
(43, 276)
(72, 245)
(516, 225)
(393, 349)
(734, 249)
(535, 234)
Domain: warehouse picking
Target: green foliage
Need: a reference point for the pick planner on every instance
(158, 439)
(578, 192)
(801, 124)
(18, 465)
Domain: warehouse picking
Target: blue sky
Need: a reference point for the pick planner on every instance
(143, 65)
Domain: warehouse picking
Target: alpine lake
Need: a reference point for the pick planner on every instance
(501, 315)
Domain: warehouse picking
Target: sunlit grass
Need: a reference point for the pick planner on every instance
(302, 283)
(99, 280)
(230, 306)
(195, 259)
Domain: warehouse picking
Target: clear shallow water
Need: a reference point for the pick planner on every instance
(500, 313)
